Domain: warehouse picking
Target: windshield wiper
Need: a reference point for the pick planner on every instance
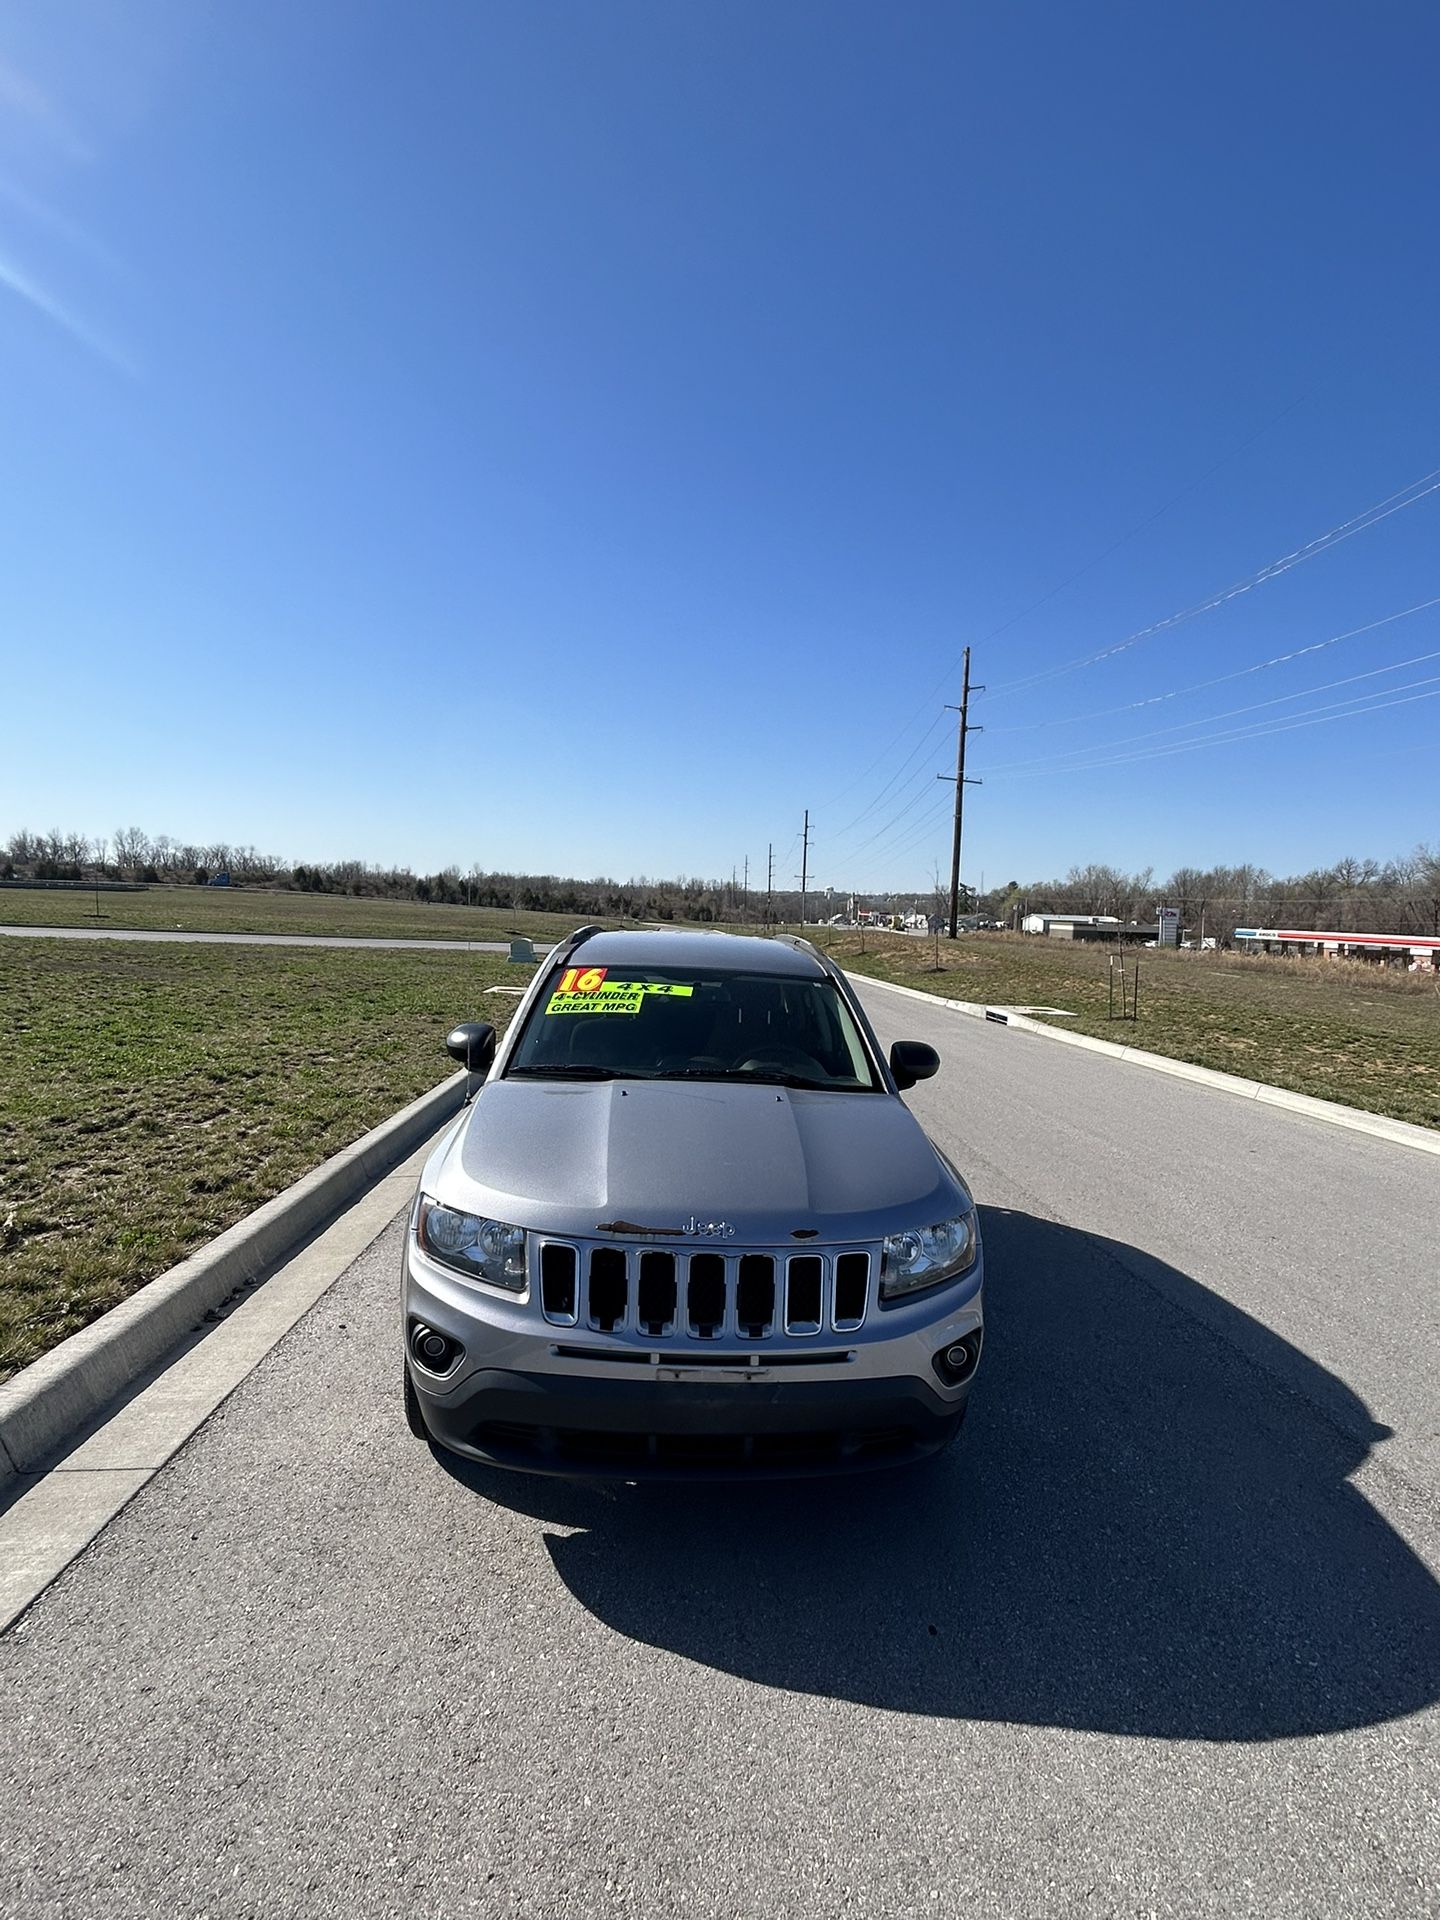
(566, 1070)
(765, 1077)
(772, 1077)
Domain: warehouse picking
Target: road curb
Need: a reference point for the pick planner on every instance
(1400, 1133)
(51, 1399)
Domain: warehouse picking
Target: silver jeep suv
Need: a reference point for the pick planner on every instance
(687, 1227)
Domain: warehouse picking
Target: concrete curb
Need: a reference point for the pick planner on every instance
(1399, 1133)
(50, 1400)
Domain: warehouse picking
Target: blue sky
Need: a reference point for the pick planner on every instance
(581, 437)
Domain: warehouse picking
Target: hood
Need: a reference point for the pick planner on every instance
(769, 1161)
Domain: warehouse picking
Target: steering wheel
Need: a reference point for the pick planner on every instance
(782, 1059)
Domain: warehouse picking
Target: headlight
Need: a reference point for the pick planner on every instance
(480, 1249)
(925, 1256)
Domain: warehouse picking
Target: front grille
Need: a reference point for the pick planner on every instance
(644, 1292)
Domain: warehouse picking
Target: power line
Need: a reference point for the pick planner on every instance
(1354, 708)
(1014, 619)
(1139, 527)
(1200, 686)
(1320, 717)
(1209, 719)
(929, 823)
(930, 852)
(911, 836)
(881, 833)
(1360, 523)
(917, 748)
(1409, 495)
(918, 786)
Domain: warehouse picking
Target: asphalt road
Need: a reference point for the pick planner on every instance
(1160, 1636)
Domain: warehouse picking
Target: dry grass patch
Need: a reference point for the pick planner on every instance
(1366, 1036)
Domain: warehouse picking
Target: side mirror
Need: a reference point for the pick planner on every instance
(472, 1044)
(912, 1060)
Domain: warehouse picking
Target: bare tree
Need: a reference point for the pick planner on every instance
(1185, 889)
(1353, 880)
(1423, 895)
(132, 850)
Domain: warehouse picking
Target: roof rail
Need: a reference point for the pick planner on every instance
(573, 940)
(802, 945)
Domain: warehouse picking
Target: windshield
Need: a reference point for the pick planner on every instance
(656, 1023)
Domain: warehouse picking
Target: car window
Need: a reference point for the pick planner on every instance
(662, 1023)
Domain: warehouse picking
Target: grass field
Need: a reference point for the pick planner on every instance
(1345, 1031)
(151, 1096)
(243, 910)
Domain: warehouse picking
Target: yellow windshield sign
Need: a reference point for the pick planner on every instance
(617, 999)
(610, 996)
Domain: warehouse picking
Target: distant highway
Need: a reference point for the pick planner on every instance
(1160, 1636)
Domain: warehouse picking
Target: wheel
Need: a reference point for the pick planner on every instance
(414, 1419)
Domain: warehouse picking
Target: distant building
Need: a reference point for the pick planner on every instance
(1044, 922)
(1417, 951)
(1093, 927)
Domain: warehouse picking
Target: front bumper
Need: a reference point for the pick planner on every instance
(529, 1395)
(680, 1428)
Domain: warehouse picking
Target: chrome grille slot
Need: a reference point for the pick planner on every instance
(755, 1296)
(656, 1296)
(558, 1276)
(852, 1288)
(804, 1287)
(608, 1288)
(644, 1294)
(705, 1296)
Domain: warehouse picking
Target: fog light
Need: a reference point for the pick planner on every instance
(956, 1363)
(436, 1352)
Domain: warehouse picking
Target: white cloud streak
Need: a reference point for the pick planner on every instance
(18, 282)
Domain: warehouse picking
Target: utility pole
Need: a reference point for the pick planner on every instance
(960, 785)
(745, 892)
(769, 883)
(804, 867)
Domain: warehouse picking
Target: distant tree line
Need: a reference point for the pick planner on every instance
(131, 854)
(1351, 896)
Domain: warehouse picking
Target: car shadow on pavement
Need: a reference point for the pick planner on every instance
(1146, 1528)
